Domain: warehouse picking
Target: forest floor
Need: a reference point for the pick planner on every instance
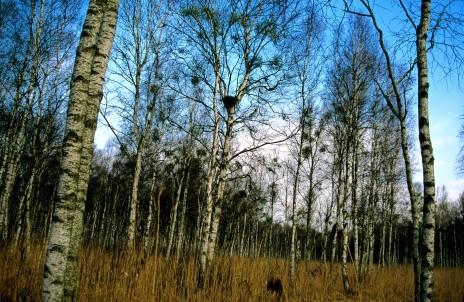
(105, 276)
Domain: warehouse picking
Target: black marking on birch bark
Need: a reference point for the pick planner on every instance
(93, 48)
(428, 225)
(421, 137)
(428, 200)
(432, 159)
(57, 218)
(85, 33)
(47, 270)
(427, 146)
(428, 184)
(57, 248)
(424, 94)
(72, 135)
(89, 124)
(79, 78)
(427, 250)
(422, 121)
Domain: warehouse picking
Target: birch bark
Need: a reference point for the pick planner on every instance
(428, 211)
(60, 275)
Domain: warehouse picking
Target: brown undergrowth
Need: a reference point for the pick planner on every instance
(107, 276)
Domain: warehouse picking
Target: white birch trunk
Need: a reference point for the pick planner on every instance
(208, 210)
(60, 276)
(173, 220)
(223, 170)
(428, 212)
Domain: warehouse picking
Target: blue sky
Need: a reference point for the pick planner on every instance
(446, 107)
(446, 98)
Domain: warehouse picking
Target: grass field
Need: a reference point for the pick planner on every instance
(104, 276)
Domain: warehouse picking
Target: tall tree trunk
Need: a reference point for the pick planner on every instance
(354, 203)
(273, 195)
(223, 170)
(208, 208)
(390, 225)
(344, 212)
(307, 248)
(296, 179)
(11, 172)
(173, 220)
(150, 221)
(60, 275)
(400, 114)
(325, 249)
(338, 217)
(242, 241)
(181, 229)
(132, 227)
(415, 213)
(428, 212)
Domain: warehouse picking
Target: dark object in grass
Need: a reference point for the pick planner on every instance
(274, 285)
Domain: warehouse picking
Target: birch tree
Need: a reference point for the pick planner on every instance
(428, 212)
(136, 69)
(400, 109)
(423, 254)
(231, 40)
(306, 61)
(36, 47)
(200, 27)
(60, 275)
(258, 26)
(350, 91)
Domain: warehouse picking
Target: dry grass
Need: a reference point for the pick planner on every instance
(104, 276)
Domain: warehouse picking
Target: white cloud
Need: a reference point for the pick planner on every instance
(454, 187)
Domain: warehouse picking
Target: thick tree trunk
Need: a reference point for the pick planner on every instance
(60, 275)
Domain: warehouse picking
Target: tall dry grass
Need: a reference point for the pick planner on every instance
(106, 276)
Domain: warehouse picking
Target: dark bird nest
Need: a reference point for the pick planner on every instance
(229, 102)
